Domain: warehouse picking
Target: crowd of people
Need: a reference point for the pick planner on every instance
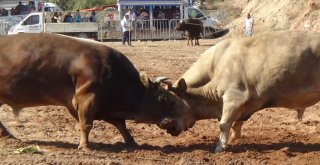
(24, 9)
(20, 9)
(157, 13)
(76, 17)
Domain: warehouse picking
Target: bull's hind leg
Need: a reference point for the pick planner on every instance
(121, 126)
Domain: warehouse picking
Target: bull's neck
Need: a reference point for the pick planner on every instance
(204, 103)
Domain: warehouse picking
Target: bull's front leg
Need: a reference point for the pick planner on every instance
(197, 40)
(236, 134)
(191, 38)
(86, 112)
(300, 112)
(3, 131)
(87, 109)
(230, 113)
(222, 143)
(121, 126)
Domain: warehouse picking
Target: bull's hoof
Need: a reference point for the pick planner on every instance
(234, 139)
(84, 148)
(5, 133)
(220, 149)
(132, 144)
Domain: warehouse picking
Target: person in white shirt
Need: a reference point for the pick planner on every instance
(248, 28)
(126, 27)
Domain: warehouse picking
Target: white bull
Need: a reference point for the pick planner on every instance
(239, 76)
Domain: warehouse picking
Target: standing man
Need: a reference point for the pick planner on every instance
(126, 27)
(248, 27)
(132, 15)
(77, 16)
(93, 17)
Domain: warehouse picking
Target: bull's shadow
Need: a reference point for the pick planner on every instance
(238, 148)
(206, 45)
(290, 147)
(120, 146)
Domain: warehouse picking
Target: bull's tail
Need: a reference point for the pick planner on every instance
(16, 111)
(300, 113)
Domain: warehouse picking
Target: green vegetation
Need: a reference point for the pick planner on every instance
(68, 5)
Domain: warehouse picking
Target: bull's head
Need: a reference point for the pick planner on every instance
(188, 118)
(180, 26)
(168, 110)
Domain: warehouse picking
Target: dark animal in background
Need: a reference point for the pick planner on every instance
(93, 81)
(194, 27)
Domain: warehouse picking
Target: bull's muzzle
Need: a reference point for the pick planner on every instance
(171, 126)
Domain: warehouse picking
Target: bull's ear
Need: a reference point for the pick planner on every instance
(182, 85)
(145, 80)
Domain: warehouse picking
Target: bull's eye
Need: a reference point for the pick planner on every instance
(163, 98)
(172, 103)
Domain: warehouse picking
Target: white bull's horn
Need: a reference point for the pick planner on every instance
(160, 79)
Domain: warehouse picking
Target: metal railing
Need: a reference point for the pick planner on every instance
(158, 29)
(4, 28)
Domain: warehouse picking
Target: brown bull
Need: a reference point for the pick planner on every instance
(93, 81)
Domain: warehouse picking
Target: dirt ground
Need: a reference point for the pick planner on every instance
(271, 136)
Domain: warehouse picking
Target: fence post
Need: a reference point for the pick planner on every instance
(101, 35)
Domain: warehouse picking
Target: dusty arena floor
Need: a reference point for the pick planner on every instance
(271, 136)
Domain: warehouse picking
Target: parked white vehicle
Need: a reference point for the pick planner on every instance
(35, 23)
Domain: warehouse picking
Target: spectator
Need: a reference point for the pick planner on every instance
(132, 16)
(161, 15)
(126, 28)
(156, 11)
(39, 6)
(19, 8)
(77, 16)
(248, 27)
(176, 14)
(55, 18)
(93, 17)
(144, 15)
(14, 11)
(68, 17)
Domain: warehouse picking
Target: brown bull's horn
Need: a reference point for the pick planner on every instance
(164, 80)
(158, 80)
